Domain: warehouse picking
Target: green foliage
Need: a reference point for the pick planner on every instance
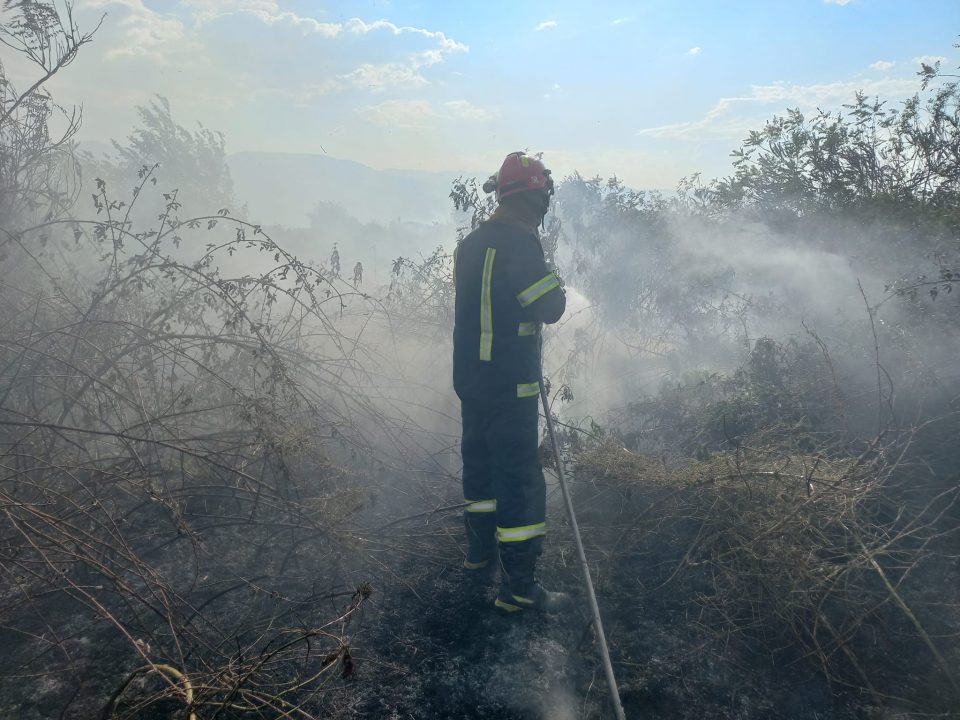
(867, 155)
(467, 198)
(870, 163)
(194, 162)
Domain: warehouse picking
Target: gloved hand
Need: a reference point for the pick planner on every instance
(553, 268)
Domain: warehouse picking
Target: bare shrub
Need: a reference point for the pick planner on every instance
(172, 492)
(799, 554)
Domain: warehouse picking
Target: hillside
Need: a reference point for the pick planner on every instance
(285, 187)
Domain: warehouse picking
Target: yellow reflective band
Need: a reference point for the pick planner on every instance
(540, 288)
(480, 506)
(523, 600)
(527, 328)
(525, 161)
(525, 390)
(486, 307)
(518, 534)
(506, 607)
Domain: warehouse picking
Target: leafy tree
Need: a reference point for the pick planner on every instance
(895, 170)
(192, 162)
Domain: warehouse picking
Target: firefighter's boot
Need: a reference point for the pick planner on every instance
(533, 598)
(519, 590)
(481, 560)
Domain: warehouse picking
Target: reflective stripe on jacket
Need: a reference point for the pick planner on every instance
(504, 292)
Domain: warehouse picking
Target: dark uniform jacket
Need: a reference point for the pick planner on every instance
(504, 293)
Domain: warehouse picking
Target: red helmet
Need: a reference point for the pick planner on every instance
(519, 173)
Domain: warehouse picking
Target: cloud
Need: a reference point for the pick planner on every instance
(144, 32)
(465, 110)
(446, 45)
(305, 24)
(734, 117)
(838, 2)
(396, 75)
(378, 78)
(269, 13)
(882, 65)
(421, 114)
(409, 114)
(718, 122)
(829, 93)
(545, 24)
(375, 78)
(390, 75)
(266, 11)
(620, 21)
(694, 50)
(401, 69)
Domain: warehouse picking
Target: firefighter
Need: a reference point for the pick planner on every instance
(504, 294)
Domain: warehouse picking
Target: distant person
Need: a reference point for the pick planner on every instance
(504, 293)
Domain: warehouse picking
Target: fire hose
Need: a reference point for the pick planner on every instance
(588, 581)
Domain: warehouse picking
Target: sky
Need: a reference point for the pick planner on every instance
(649, 91)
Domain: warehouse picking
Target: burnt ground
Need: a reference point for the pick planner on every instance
(446, 653)
(429, 643)
(432, 646)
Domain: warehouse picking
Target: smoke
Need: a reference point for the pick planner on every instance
(656, 295)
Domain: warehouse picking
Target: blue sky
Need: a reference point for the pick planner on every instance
(651, 91)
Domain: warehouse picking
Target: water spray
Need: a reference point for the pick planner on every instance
(597, 623)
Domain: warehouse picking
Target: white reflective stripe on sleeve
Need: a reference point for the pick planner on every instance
(486, 307)
(540, 288)
(527, 328)
(518, 534)
(525, 390)
(481, 506)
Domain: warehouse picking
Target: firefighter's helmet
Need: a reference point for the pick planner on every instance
(519, 173)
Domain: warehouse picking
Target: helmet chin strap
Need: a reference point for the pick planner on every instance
(545, 199)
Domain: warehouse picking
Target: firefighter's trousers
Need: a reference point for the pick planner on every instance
(503, 485)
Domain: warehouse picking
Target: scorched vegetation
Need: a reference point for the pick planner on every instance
(229, 479)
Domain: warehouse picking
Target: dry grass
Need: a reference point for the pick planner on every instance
(785, 550)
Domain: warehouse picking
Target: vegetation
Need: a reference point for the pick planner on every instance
(182, 441)
(789, 484)
(233, 494)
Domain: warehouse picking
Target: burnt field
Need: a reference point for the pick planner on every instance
(229, 451)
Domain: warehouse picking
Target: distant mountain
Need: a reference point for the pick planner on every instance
(283, 188)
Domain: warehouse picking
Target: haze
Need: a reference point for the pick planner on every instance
(649, 91)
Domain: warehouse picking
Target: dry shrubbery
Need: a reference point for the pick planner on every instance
(180, 399)
(175, 433)
(748, 501)
(783, 551)
(175, 437)
(169, 500)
